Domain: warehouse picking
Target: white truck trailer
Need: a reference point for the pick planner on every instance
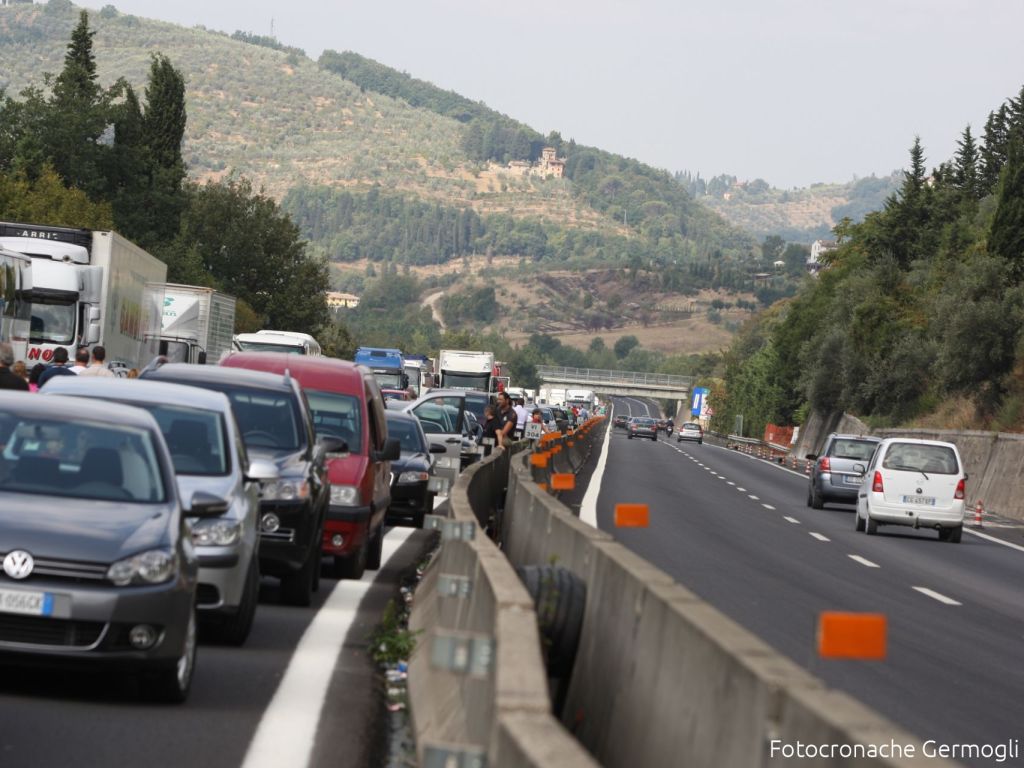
(460, 369)
(89, 287)
(198, 324)
(15, 307)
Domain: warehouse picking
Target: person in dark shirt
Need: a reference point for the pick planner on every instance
(59, 367)
(8, 378)
(506, 419)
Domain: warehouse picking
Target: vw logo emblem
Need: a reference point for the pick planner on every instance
(18, 564)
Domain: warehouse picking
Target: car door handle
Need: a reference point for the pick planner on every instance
(863, 495)
(454, 440)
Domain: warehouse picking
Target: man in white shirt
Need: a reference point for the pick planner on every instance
(98, 367)
(521, 416)
(81, 360)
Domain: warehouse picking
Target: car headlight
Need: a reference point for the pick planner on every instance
(413, 477)
(153, 567)
(345, 495)
(216, 533)
(446, 462)
(285, 490)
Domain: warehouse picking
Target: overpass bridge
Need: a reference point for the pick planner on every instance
(660, 386)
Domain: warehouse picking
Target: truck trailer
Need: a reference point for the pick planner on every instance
(461, 369)
(15, 307)
(198, 324)
(89, 287)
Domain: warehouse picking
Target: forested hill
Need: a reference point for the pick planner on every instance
(332, 136)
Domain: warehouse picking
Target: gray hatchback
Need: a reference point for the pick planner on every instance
(98, 565)
(208, 455)
(833, 477)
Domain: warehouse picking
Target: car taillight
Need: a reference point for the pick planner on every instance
(959, 490)
(876, 484)
(824, 465)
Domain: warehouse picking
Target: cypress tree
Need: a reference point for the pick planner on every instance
(993, 151)
(1006, 238)
(966, 167)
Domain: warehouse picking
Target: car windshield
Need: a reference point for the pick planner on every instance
(692, 427)
(337, 415)
(267, 419)
(194, 437)
(858, 450)
(80, 460)
(52, 322)
(644, 422)
(262, 346)
(407, 434)
(937, 459)
(438, 418)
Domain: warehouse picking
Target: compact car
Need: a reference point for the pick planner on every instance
(833, 477)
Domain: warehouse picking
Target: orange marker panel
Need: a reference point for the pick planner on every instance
(539, 459)
(542, 486)
(851, 635)
(570, 443)
(631, 516)
(563, 481)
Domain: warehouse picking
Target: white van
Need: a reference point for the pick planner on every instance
(291, 342)
(917, 483)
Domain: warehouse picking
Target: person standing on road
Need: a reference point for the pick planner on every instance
(58, 368)
(522, 416)
(81, 360)
(506, 419)
(98, 365)
(8, 378)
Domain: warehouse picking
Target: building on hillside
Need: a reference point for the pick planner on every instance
(549, 166)
(336, 300)
(818, 249)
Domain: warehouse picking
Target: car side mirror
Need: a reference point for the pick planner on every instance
(391, 452)
(205, 504)
(435, 448)
(331, 445)
(860, 469)
(261, 470)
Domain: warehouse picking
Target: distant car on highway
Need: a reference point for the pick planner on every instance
(643, 426)
(917, 483)
(98, 564)
(412, 497)
(620, 421)
(208, 454)
(833, 477)
(692, 431)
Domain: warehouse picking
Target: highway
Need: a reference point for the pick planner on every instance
(737, 532)
(302, 691)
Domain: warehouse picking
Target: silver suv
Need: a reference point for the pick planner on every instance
(209, 455)
(833, 477)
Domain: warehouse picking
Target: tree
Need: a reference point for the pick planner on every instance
(625, 345)
(1006, 238)
(993, 151)
(966, 166)
(771, 248)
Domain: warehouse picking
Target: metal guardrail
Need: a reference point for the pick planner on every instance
(604, 376)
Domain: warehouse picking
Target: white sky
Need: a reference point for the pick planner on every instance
(791, 91)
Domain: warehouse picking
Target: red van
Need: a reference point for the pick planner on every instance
(346, 403)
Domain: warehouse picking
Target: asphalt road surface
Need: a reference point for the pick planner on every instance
(302, 691)
(737, 531)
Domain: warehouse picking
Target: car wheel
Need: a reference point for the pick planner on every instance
(376, 552)
(859, 527)
(352, 566)
(297, 588)
(816, 501)
(870, 526)
(171, 683)
(700, 442)
(952, 535)
(235, 629)
(630, 437)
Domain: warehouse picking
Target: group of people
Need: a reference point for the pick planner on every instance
(507, 420)
(15, 374)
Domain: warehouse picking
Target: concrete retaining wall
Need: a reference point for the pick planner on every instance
(661, 678)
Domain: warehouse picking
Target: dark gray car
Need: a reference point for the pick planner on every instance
(208, 455)
(97, 561)
(833, 477)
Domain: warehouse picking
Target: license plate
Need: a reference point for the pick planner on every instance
(925, 501)
(437, 484)
(26, 603)
(851, 480)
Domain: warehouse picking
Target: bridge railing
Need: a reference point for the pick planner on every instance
(605, 376)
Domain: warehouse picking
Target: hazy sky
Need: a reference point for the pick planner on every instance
(792, 91)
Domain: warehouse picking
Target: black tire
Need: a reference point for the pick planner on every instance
(816, 501)
(171, 683)
(858, 522)
(808, 496)
(297, 588)
(352, 566)
(376, 552)
(560, 599)
(679, 439)
(870, 526)
(951, 535)
(235, 629)
(630, 437)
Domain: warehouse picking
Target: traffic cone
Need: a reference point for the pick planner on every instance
(979, 509)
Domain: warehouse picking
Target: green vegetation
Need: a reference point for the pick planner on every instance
(921, 302)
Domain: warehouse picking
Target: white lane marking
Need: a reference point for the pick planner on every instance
(819, 536)
(731, 483)
(792, 520)
(753, 497)
(864, 561)
(993, 539)
(768, 506)
(287, 730)
(741, 490)
(721, 477)
(936, 596)
(588, 507)
(755, 458)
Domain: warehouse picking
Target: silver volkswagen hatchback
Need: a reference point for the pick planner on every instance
(98, 565)
(208, 455)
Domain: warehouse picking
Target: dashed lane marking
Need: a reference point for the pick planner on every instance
(819, 536)
(937, 596)
(768, 506)
(792, 520)
(864, 561)
(753, 497)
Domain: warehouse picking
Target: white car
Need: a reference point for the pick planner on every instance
(916, 483)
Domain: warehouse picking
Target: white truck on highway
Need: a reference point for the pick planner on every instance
(580, 397)
(198, 324)
(467, 370)
(89, 287)
(15, 309)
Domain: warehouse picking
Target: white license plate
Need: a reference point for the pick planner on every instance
(924, 501)
(26, 603)
(437, 484)
(851, 480)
